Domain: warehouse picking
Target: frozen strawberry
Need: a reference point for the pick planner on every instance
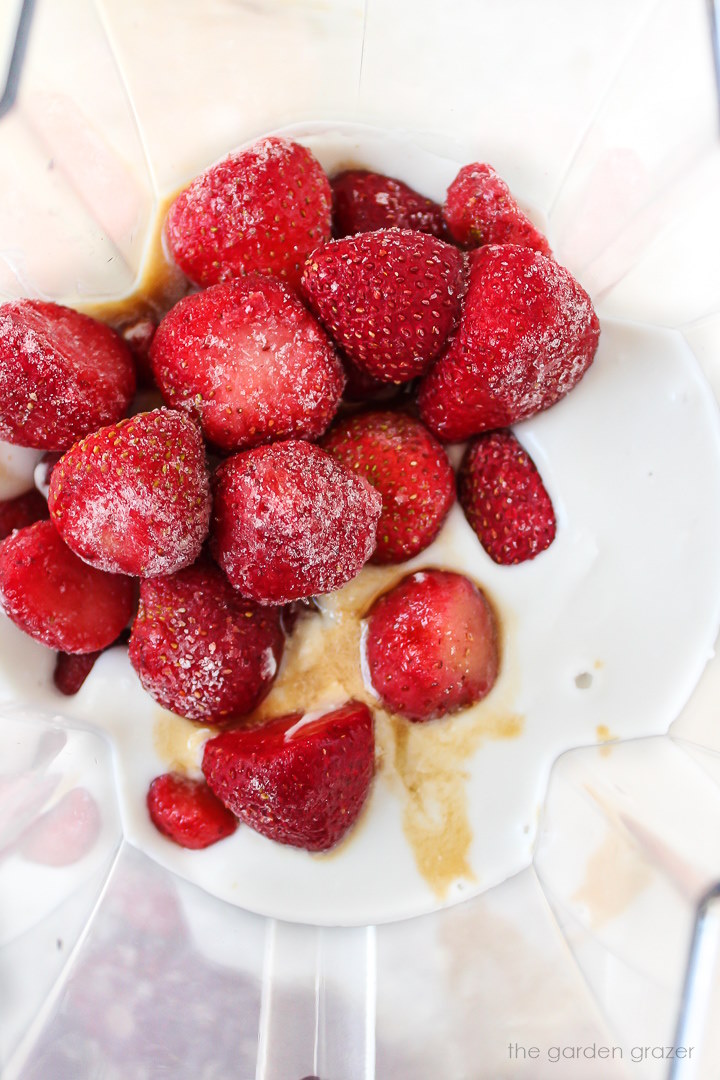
(21, 511)
(58, 599)
(359, 386)
(410, 469)
(62, 374)
(71, 671)
(504, 499)
(66, 832)
(479, 209)
(134, 498)
(187, 812)
(249, 362)
(201, 649)
(138, 334)
(388, 298)
(432, 645)
(289, 521)
(298, 780)
(528, 334)
(364, 201)
(262, 209)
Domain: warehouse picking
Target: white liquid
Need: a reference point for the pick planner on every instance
(605, 633)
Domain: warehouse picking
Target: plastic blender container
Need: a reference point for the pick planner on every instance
(602, 115)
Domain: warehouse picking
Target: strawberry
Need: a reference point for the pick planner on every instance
(262, 209)
(58, 599)
(504, 499)
(134, 498)
(187, 812)
(479, 209)
(21, 511)
(528, 334)
(289, 521)
(138, 335)
(71, 671)
(410, 469)
(66, 832)
(62, 374)
(359, 386)
(389, 298)
(364, 201)
(432, 645)
(202, 650)
(249, 362)
(298, 780)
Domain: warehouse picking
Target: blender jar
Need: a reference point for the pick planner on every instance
(604, 118)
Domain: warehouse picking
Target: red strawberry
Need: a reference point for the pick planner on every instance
(389, 298)
(479, 209)
(262, 209)
(364, 201)
(249, 362)
(290, 521)
(202, 650)
(134, 498)
(62, 374)
(528, 334)
(65, 833)
(298, 780)
(432, 645)
(71, 671)
(504, 499)
(58, 599)
(410, 469)
(187, 812)
(359, 386)
(138, 335)
(21, 511)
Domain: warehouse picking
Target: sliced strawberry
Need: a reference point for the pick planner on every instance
(290, 521)
(187, 812)
(432, 645)
(262, 209)
(202, 650)
(134, 498)
(300, 781)
(410, 469)
(249, 362)
(504, 499)
(388, 298)
(364, 201)
(479, 209)
(62, 374)
(528, 334)
(21, 511)
(71, 671)
(58, 599)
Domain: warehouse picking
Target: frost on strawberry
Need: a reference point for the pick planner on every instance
(289, 521)
(410, 469)
(504, 499)
(480, 209)
(62, 374)
(432, 645)
(364, 201)
(527, 335)
(298, 781)
(249, 362)
(134, 498)
(58, 599)
(202, 650)
(389, 298)
(262, 210)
